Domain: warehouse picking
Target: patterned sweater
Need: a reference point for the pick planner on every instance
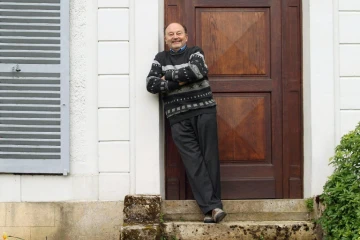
(188, 100)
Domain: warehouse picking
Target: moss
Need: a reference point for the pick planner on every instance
(141, 209)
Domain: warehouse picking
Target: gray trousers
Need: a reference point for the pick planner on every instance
(197, 141)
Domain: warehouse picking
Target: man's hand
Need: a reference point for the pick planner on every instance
(180, 83)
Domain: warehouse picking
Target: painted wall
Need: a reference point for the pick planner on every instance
(114, 99)
(348, 78)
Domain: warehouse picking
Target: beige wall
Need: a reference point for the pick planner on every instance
(62, 221)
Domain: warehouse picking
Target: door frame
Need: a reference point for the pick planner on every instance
(316, 151)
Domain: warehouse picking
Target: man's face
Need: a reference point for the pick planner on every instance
(175, 36)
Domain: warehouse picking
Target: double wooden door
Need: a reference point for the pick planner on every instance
(253, 52)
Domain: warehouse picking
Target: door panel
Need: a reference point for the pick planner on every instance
(230, 50)
(242, 41)
(237, 112)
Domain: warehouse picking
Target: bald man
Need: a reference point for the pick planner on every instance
(180, 75)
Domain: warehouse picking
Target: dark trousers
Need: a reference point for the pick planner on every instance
(197, 142)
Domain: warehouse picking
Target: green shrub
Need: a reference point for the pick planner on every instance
(341, 197)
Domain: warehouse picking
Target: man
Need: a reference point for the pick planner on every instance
(181, 76)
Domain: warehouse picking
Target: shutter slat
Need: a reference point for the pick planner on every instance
(29, 54)
(15, 149)
(29, 7)
(29, 141)
(26, 108)
(34, 121)
(28, 47)
(28, 156)
(29, 128)
(46, 34)
(30, 95)
(38, 27)
(28, 20)
(27, 135)
(31, 61)
(29, 40)
(31, 1)
(30, 102)
(30, 75)
(24, 13)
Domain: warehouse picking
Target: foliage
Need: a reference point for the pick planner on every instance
(161, 218)
(309, 202)
(341, 196)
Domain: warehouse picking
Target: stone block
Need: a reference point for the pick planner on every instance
(2, 214)
(92, 219)
(140, 232)
(139, 209)
(240, 230)
(20, 232)
(30, 215)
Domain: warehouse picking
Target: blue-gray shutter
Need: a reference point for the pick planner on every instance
(34, 86)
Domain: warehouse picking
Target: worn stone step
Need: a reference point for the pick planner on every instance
(240, 210)
(245, 230)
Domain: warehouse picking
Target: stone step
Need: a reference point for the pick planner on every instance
(244, 230)
(240, 210)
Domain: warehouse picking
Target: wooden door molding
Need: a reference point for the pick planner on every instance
(292, 100)
(260, 91)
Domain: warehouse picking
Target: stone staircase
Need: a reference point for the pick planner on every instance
(246, 220)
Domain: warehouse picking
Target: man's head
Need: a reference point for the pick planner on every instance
(175, 36)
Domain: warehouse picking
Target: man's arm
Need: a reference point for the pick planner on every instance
(156, 83)
(195, 70)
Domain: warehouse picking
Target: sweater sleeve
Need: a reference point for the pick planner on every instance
(195, 70)
(154, 83)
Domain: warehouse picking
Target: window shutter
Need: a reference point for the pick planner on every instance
(34, 86)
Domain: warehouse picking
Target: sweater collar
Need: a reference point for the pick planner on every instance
(181, 50)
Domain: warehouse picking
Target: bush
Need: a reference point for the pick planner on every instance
(341, 197)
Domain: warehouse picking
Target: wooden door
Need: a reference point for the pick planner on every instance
(253, 51)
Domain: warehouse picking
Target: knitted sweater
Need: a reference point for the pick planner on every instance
(188, 100)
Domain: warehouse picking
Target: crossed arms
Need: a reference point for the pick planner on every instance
(194, 70)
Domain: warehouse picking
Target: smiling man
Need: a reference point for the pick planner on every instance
(180, 75)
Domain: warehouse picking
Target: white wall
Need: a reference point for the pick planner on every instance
(114, 98)
(348, 49)
(319, 93)
(331, 83)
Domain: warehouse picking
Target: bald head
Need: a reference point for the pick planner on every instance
(182, 25)
(175, 36)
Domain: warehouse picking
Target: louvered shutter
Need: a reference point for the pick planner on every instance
(34, 86)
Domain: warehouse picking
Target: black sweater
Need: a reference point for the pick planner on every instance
(191, 99)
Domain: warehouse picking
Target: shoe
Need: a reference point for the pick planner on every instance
(208, 218)
(218, 215)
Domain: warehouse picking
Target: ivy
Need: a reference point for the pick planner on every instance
(341, 197)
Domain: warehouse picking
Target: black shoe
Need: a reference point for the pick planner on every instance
(208, 218)
(218, 215)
